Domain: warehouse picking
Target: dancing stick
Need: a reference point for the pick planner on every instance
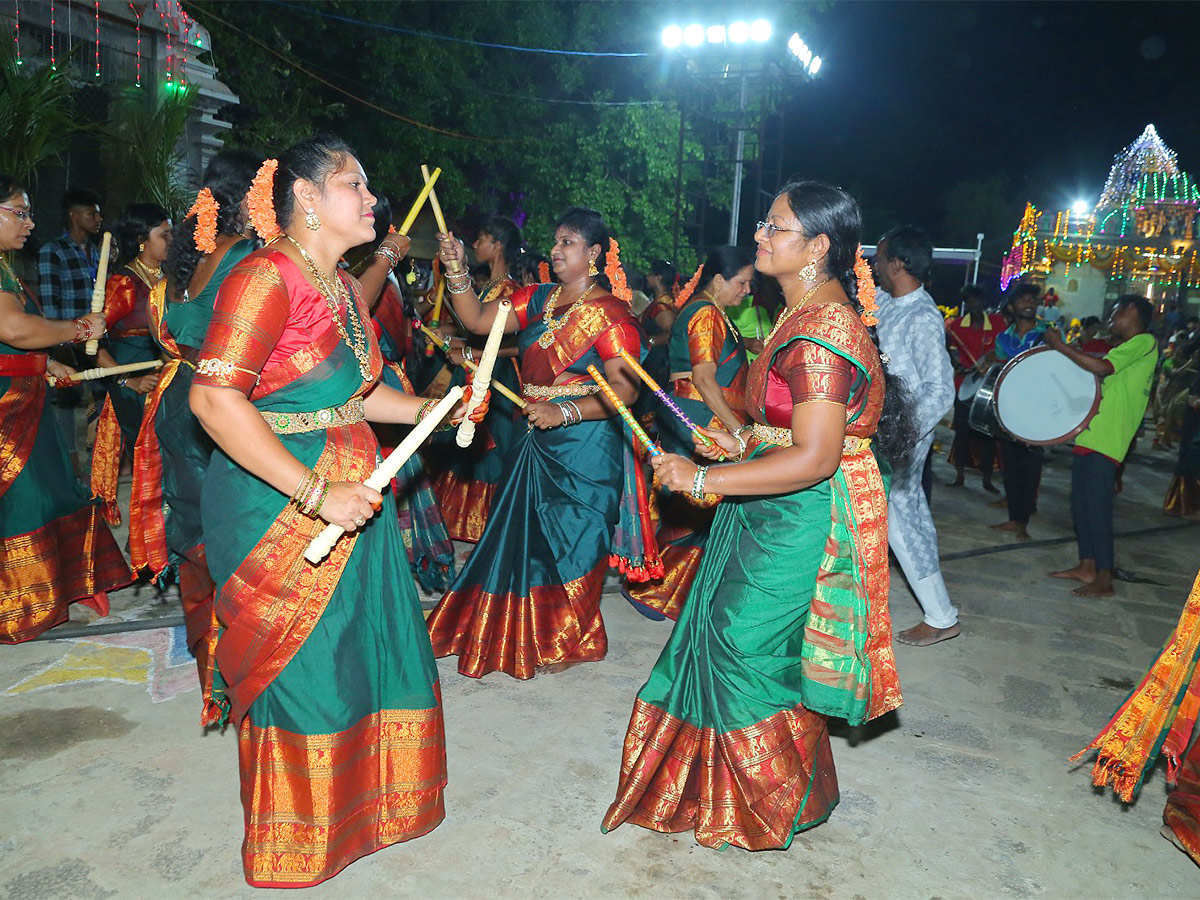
(98, 289)
(436, 318)
(500, 389)
(483, 374)
(100, 372)
(624, 412)
(319, 547)
(420, 201)
(438, 217)
(662, 395)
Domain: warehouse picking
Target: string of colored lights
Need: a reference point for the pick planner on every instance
(137, 13)
(97, 8)
(53, 30)
(17, 33)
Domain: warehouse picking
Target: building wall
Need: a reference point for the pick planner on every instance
(1082, 289)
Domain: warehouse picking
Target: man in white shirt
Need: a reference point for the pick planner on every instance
(912, 333)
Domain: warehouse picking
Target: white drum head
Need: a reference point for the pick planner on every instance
(1042, 397)
(969, 386)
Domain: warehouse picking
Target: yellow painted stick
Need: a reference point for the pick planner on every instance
(420, 201)
(437, 214)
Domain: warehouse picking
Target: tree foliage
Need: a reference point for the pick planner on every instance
(36, 120)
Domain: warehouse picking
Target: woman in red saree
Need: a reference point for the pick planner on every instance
(787, 619)
(55, 549)
(325, 669)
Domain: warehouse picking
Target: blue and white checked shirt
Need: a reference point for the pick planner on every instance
(66, 273)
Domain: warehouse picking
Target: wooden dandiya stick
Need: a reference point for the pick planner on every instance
(438, 297)
(439, 341)
(666, 400)
(98, 289)
(319, 547)
(441, 222)
(426, 190)
(483, 374)
(623, 411)
(102, 372)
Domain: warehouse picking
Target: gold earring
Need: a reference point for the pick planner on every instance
(141, 246)
(592, 270)
(311, 222)
(809, 272)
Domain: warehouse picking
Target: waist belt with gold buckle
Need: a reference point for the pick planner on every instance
(349, 413)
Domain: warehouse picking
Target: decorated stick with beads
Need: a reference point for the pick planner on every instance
(420, 201)
(623, 411)
(99, 288)
(438, 340)
(319, 547)
(662, 395)
(99, 372)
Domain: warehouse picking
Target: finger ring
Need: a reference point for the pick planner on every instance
(360, 521)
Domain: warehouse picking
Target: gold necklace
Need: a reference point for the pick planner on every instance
(724, 315)
(150, 277)
(552, 324)
(795, 309)
(334, 293)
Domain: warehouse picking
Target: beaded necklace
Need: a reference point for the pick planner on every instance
(552, 324)
(333, 293)
(795, 309)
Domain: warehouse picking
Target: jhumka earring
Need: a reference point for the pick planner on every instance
(809, 272)
(141, 246)
(311, 222)
(592, 270)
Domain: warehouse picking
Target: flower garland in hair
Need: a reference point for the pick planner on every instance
(261, 203)
(866, 289)
(685, 292)
(616, 275)
(544, 272)
(205, 210)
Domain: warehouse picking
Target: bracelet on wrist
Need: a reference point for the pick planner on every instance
(423, 410)
(698, 482)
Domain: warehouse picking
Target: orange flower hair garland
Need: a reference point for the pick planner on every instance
(205, 210)
(616, 275)
(685, 292)
(544, 272)
(261, 204)
(866, 289)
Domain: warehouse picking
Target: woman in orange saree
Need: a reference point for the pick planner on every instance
(55, 549)
(787, 620)
(325, 670)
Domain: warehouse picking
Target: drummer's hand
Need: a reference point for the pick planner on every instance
(726, 444)
(349, 504)
(674, 472)
(982, 364)
(1053, 339)
(60, 373)
(451, 252)
(478, 415)
(544, 414)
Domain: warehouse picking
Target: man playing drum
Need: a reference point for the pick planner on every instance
(970, 337)
(1127, 371)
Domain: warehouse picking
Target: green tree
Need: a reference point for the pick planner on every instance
(36, 120)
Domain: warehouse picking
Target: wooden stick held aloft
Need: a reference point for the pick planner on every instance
(99, 288)
(437, 340)
(419, 202)
(439, 218)
(100, 372)
(623, 411)
(483, 374)
(320, 546)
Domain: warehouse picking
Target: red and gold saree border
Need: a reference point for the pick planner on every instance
(752, 787)
(668, 593)
(316, 803)
(557, 623)
(464, 504)
(106, 462)
(73, 559)
(20, 418)
(147, 521)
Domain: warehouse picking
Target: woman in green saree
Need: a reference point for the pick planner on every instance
(324, 669)
(787, 619)
(55, 549)
(708, 383)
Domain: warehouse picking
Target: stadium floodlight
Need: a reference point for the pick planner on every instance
(739, 33)
(672, 36)
(1079, 207)
(760, 30)
(815, 66)
(716, 34)
(693, 35)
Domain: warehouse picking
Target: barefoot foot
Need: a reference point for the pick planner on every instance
(924, 635)
(1077, 573)
(1095, 589)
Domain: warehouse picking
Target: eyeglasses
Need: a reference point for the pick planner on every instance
(773, 230)
(23, 215)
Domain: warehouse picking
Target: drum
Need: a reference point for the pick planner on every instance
(1042, 397)
(969, 385)
(982, 415)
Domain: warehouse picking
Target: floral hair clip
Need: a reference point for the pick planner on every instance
(260, 202)
(544, 272)
(866, 289)
(616, 275)
(685, 292)
(205, 210)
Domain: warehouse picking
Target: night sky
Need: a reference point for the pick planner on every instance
(917, 96)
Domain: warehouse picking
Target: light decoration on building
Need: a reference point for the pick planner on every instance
(97, 17)
(53, 47)
(137, 14)
(17, 32)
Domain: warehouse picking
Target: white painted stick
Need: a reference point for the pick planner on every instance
(101, 372)
(319, 547)
(99, 288)
(483, 373)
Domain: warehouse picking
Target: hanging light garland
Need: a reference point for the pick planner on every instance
(17, 33)
(53, 48)
(97, 38)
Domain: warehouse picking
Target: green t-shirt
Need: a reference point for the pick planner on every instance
(752, 321)
(1123, 397)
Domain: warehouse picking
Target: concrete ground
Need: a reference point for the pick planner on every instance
(111, 788)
